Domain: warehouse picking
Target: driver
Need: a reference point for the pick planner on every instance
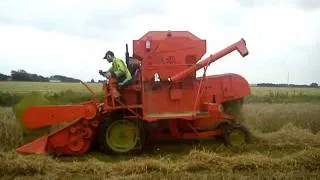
(118, 69)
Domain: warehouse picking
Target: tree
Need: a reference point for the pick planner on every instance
(92, 81)
(22, 75)
(4, 77)
(313, 85)
(64, 78)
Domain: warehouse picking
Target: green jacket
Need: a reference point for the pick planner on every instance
(120, 69)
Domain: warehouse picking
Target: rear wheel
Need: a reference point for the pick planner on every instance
(235, 134)
(234, 108)
(120, 136)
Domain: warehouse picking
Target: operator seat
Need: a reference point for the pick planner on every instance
(134, 68)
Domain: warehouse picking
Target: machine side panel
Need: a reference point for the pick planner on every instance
(224, 87)
(162, 101)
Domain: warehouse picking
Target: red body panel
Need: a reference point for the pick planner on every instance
(172, 59)
(40, 116)
(224, 87)
(74, 139)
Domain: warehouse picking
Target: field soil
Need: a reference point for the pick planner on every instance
(285, 144)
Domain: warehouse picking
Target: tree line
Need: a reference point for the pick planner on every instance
(22, 75)
(313, 85)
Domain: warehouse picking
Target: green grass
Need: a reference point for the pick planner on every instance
(58, 93)
(47, 87)
(283, 95)
(262, 91)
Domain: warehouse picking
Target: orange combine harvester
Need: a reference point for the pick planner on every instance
(165, 102)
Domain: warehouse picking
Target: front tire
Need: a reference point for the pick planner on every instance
(120, 136)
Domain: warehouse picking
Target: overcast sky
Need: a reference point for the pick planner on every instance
(71, 37)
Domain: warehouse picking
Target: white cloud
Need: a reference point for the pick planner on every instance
(50, 53)
(282, 36)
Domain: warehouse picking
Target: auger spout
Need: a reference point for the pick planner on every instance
(240, 46)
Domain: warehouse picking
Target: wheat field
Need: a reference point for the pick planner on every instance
(285, 145)
(284, 123)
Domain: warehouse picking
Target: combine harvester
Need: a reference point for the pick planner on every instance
(166, 102)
